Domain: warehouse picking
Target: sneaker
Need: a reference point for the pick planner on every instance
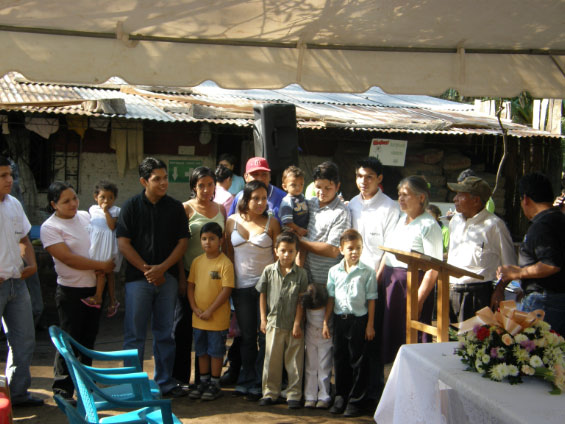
(321, 404)
(198, 391)
(311, 404)
(212, 392)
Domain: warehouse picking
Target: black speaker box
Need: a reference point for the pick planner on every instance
(275, 135)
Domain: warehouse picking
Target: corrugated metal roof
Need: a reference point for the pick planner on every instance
(373, 110)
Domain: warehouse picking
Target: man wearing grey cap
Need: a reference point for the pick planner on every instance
(479, 242)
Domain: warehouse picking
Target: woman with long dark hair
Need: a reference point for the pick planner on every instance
(250, 235)
(65, 236)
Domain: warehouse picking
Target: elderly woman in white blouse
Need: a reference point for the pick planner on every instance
(418, 231)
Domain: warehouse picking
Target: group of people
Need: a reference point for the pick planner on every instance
(301, 281)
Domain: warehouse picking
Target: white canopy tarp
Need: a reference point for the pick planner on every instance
(480, 48)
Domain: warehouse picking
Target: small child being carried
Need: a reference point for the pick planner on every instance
(103, 243)
(293, 211)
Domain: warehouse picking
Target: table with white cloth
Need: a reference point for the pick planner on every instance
(428, 384)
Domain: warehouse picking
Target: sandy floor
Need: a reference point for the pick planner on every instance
(225, 410)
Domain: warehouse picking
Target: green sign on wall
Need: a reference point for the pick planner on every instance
(179, 170)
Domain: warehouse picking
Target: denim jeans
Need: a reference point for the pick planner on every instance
(246, 304)
(15, 308)
(553, 305)
(145, 301)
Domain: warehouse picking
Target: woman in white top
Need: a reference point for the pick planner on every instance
(250, 235)
(418, 231)
(65, 236)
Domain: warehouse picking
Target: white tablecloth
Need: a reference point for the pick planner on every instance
(429, 384)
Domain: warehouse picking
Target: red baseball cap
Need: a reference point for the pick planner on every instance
(257, 164)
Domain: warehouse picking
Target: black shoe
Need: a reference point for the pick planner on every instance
(352, 411)
(339, 405)
(176, 392)
(266, 401)
(30, 401)
(229, 378)
(252, 397)
(294, 404)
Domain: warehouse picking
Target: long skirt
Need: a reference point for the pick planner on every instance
(394, 319)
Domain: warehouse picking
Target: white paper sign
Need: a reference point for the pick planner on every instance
(389, 152)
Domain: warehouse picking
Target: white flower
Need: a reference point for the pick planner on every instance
(536, 362)
(529, 330)
(520, 338)
(498, 372)
(512, 370)
(485, 358)
(471, 349)
(541, 342)
(479, 366)
(526, 369)
(522, 356)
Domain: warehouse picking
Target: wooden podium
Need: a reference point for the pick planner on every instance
(415, 262)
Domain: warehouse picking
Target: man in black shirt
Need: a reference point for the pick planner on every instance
(152, 235)
(542, 254)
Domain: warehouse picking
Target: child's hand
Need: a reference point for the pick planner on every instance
(198, 312)
(326, 331)
(296, 331)
(369, 333)
(206, 315)
(108, 266)
(263, 326)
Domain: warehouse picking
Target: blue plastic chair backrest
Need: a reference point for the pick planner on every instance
(86, 402)
(72, 414)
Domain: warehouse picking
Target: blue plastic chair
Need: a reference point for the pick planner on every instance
(152, 411)
(132, 389)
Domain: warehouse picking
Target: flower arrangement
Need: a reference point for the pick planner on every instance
(496, 353)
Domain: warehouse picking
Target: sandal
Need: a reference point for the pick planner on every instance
(91, 302)
(113, 309)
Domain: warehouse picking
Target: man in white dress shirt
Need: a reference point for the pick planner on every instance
(374, 215)
(479, 242)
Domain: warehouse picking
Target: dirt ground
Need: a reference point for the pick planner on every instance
(226, 410)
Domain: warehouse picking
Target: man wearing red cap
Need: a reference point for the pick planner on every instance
(257, 168)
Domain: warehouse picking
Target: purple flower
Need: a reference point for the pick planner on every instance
(493, 352)
(529, 345)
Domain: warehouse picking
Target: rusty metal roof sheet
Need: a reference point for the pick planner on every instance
(373, 110)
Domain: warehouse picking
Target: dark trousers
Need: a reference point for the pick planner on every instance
(182, 333)
(350, 359)
(465, 300)
(81, 322)
(376, 366)
(246, 304)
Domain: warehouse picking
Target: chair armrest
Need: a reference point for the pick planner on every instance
(120, 370)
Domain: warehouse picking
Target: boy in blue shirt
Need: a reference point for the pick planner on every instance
(352, 290)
